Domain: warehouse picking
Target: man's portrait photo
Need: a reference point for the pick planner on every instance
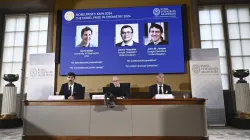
(156, 33)
(126, 35)
(86, 36)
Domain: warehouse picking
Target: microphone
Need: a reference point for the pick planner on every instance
(109, 100)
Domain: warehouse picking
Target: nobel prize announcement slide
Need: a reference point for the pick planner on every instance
(134, 40)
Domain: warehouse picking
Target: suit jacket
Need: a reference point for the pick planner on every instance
(78, 91)
(125, 87)
(163, 42)
(120, 44)
(81, 45)
(153, 90)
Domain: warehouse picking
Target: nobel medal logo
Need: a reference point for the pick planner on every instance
(33, 72)
(196, 68)
(156, 11)
(69, 15)
(205, 69)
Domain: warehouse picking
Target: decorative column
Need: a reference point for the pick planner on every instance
(242, 98)
(9, 102)
(8, 117)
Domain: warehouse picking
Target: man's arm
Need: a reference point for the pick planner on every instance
(151, 92)
(127, 93)
(169, 89)
(61, 90)
(80, 93)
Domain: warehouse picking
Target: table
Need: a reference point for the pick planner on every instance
(130, 119)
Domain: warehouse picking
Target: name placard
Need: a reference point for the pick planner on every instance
(56, 97)
(98, 97)
(164, 96)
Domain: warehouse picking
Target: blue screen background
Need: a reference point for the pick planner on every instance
(105, 58)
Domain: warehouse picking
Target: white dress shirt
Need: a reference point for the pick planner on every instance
(130, 43)
(118, 85)
(72, 89)
(158, 89)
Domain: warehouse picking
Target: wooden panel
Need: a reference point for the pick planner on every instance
(57, 103)
(169, 102)
(177, 101)
(113, 138)
(117, 102)
(169, 138)
(220, 2)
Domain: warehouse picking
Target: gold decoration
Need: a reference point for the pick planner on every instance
(6, 117)
(243, 115)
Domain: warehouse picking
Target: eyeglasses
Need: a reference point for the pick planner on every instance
(115, 80)
(126, 33)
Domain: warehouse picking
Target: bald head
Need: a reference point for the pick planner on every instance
(116, 81)
(160, 78)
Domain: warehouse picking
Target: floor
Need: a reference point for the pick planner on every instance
(222, 133)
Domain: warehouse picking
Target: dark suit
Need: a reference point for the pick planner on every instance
(120, 44)
(125, 89)
(78, 91)
(153, 90)
(163, 42)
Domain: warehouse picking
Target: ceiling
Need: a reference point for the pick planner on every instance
(21, 6)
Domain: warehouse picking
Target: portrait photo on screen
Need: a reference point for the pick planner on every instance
(126, 35)
(86, 36)
(156, 33)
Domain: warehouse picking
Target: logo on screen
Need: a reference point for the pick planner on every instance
(196, 68)
(156, 11)
(69, 15)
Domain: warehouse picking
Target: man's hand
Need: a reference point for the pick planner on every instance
(122, 97)
(71, 97)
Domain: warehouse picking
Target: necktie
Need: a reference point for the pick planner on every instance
(70, 90)
(160, 91)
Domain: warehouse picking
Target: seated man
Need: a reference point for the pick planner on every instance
(72, 90)
(160, 87)
(122, 89)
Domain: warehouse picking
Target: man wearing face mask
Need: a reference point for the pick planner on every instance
(86, 35)
(156, 32)
(72, 90)
(127, 36)
(159, 87)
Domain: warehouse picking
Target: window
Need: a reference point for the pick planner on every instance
(238, 25)
(37, 37)
(14, 38)
(238, 22)
(212, 36)
(13, 48)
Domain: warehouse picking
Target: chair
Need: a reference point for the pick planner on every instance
(83, 89)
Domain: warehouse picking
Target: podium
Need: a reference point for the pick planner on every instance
(242, 98)
(130, 119)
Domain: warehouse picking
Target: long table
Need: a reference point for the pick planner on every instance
(130, 119)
